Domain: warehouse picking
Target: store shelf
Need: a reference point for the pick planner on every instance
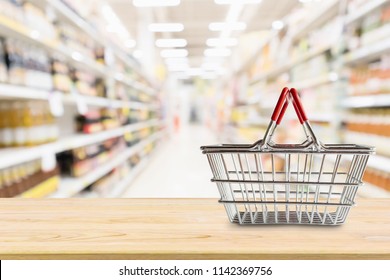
(368, 53)
(328, 10)
(315, 82)
(379, 100)
(364, 10)
(8, 91)
(22, 92)
(249, 62)
(71, 186)
(13, 156)
(11, 28)
(121, 187)
(14, 29)
(254, 122)
(380, 163)
(287, 66)
(321, 117)
(372, 191)
(67, 14)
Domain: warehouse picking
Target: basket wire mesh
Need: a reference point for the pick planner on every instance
(308, 183)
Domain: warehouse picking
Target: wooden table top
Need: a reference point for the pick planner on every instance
(179, 229)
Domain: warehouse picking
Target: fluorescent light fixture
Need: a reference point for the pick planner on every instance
(231, 2)
(156, 3)
(174, 53)
(217, 52)
(166, 27)
(171, 43)
(277, 24)
(234, 26)
(222, 42)
(129, 43)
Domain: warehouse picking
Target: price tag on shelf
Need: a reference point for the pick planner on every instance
(55, 103)
(80, 101)
(49, 161)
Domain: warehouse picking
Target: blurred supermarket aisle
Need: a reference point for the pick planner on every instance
(178, 169)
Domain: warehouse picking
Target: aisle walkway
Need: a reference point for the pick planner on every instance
(178, 169)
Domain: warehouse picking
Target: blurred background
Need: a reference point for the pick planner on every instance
(113, 98)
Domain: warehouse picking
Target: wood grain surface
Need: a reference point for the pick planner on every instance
(178, 229)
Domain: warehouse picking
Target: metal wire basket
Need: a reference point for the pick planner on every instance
(308, 183)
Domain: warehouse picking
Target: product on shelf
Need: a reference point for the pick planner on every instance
(373, 124)
(80, 161)
(3, 64)
(61, 75)
(27, 65)
(98, 120)
(134, 160)
(373, 78)
(90, 122)
(84, 82)
(28, 180)
(13, 9)
(131, 138)
(108, 182)
(374, 27)
(378, 178)
(36, 20)
(75, 40)
(26, 124)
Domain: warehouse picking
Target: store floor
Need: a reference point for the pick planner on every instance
(178, 169)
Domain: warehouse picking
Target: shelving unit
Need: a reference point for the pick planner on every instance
(55, 48)
(364, 10)
(13, 29)
(71, 186)
(379, 100)
(8, 91)
(368, 53)
(287, 66)
(13, 156)
(327, 11)
(262, 87)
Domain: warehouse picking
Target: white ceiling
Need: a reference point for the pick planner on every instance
(196, 16)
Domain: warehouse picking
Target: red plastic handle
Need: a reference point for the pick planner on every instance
(282, 104)
(298, 105)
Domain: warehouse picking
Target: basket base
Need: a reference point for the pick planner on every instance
(304, 218)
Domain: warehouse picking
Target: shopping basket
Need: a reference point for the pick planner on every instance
(309, 183)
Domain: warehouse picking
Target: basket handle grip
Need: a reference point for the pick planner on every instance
(282, 104)
(278, 114)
